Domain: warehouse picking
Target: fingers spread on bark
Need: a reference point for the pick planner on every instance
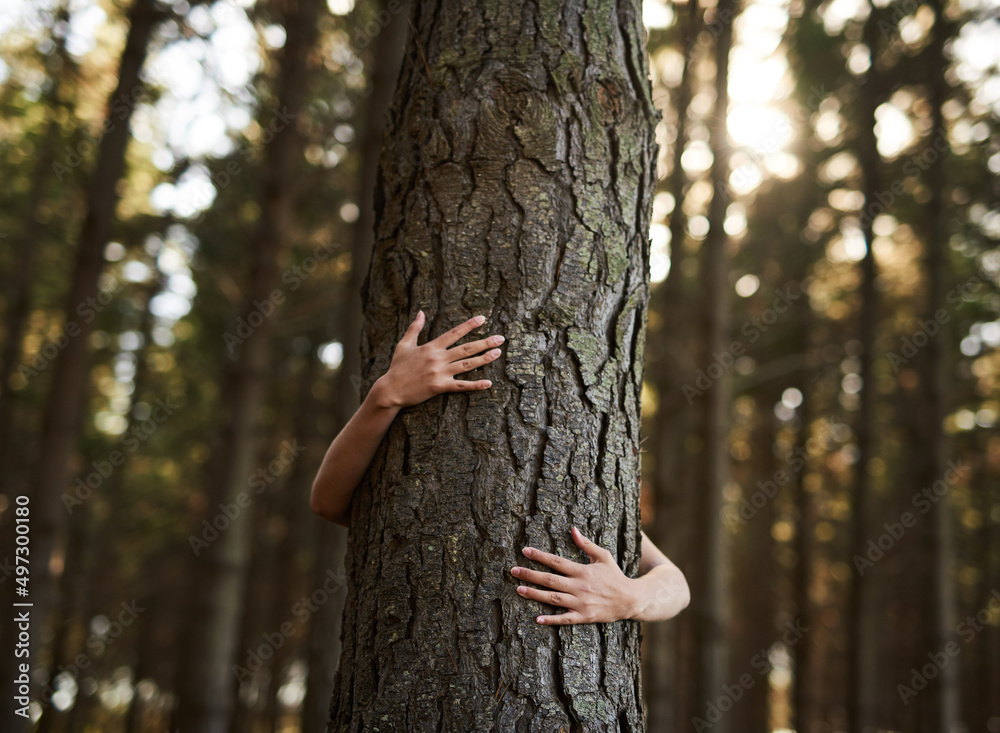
(414, 329)
(450, 337)
(474, 347)
(594, 551)
(553, 598)
(564, 566)
(562, 619)
(549, 580)
(467, 365)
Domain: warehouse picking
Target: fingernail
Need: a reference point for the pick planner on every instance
(540, 619)
(489, 383)
(498, 339)
(527, 551)
(521, 589)
(480, 319)
(495, 353)
(515, 571)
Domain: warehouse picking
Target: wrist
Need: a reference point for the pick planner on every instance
(635, 600)
(381, 395)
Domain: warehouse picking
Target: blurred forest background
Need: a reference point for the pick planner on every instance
(820, 447)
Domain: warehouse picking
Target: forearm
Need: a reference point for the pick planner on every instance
(661, 590)
(349, 456)
(659, 594)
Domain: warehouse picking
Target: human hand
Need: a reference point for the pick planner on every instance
(418, 373)
(597, 592)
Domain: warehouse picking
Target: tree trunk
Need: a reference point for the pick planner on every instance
(942, 711)
(755, 576)
(671, 524)
(297, 515)
(713, 604)
(99, 559)
(205, 680)
(20, 281)
(70, 618)
(331, 541)
(516, 182)
(323, 644)
(63, 408)
(858, 650)
(804, 556)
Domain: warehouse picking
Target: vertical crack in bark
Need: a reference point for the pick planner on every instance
(639, 83)
(602, 452)
(602, 631)
(576, 362)
(581, 33)
(564, 696)
(616, 161)
(406, 453)
(412, 596)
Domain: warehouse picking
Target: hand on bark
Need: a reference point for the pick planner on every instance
(597, 592)
(418, 373)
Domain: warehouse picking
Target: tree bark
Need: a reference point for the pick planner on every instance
(516, 182)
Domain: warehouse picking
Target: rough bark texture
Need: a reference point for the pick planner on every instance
(516, 182)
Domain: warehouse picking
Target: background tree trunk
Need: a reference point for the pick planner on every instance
(670, 362)
(711, 587)
(205, 680)
(516, 182)
(943, 704)
(63, 408)
(859, 665)
(330, 542)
